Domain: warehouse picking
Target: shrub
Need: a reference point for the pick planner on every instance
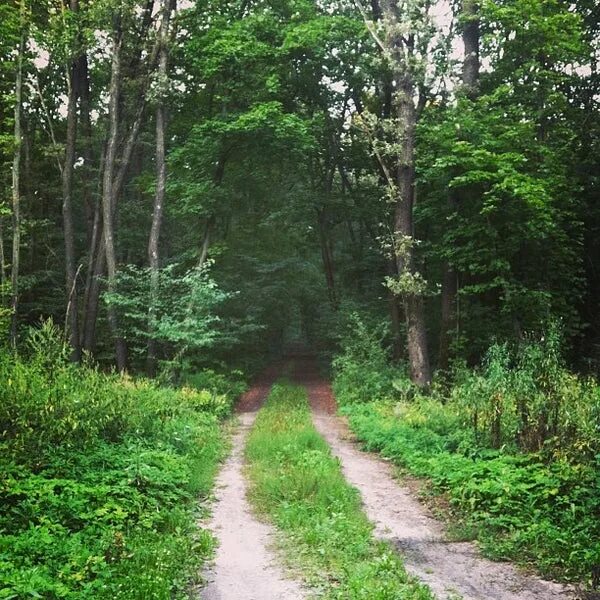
(362, 370)
(100, 478)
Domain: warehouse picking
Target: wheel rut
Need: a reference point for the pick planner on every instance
(451, 569)
(244, 568)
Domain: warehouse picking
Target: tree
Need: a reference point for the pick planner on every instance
(161, 173)
(16, 174)
(469, 18)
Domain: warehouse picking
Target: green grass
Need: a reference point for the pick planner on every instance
(519, 506)
(100, 481)
(298, 485)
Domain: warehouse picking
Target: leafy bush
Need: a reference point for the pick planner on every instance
(100, 477)
(362, 369)
(515, 446)
(528, 399)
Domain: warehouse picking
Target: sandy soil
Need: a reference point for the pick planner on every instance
(244, 568)
(451, 569)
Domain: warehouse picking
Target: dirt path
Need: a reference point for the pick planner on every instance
(451, 569)
(244, 566)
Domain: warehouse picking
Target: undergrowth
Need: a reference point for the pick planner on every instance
(100, 477)
(298, 484)
(514, 446)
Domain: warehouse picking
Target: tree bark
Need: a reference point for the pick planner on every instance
(161, 182)
(400, 51)
(327, 257)
(2, 261)
(470, 35)
(210, 223)
(108, 198)
(16, 183)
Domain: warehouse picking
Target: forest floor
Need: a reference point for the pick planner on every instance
(247, 567)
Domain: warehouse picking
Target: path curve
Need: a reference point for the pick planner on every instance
(448, 568)
(244, 568)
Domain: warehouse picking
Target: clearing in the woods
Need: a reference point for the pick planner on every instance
(251, 561)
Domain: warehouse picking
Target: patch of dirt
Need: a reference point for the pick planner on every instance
(450, 569)
(253, 398)
(244, 568)
(306, 372)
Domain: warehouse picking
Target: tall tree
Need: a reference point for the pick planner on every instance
(16, 176)
(401, 45)
(469, 20)
(108, 184)
(73, 84)
(161, 175)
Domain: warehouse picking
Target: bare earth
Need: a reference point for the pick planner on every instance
(450, 569)
(246, 569)
(244, 566)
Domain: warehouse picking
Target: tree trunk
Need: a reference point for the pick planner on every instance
(210, 223)
(91, 299)
(448, 323)
(16, 183)
(414, 310)
(470, 35)
(327, 257)
(395, 307)
(2, 261)
(72, 309)
(161, 181)
(470, 84)
(108, 198)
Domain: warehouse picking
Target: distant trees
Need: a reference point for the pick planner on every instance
(311, 158)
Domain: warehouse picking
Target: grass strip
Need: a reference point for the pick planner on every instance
(299, 486)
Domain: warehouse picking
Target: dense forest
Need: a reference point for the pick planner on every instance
(191, 190)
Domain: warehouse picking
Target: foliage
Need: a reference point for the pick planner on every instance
(514, 446)
(362, 369)
(519, 506)
(299, 485)
(100, 478)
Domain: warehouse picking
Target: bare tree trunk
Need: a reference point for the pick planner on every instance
(161, 182)
(95, 270)
(470, 35)
(210, 223)
(88, 147)
(414, 310)
(93, 217)
(400, 50)
(470, 80)
(448, 322)
(72, 317)
(396, 316)
(108, 198)
(327, 257)
(16, 183)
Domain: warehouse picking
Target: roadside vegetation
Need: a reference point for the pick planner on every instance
(100, 478)
(298, 484)
(514, 446)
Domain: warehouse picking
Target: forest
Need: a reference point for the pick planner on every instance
(242, 242)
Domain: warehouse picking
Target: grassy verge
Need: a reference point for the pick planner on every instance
(100, 480)
(297, 483)
(517, 505)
